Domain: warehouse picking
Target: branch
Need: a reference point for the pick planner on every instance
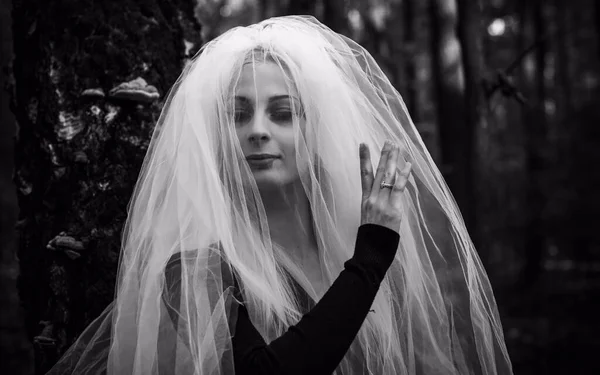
(503, 81)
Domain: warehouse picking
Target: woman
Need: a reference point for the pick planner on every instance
(261, 241)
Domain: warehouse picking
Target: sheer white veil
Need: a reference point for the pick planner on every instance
(435, 312)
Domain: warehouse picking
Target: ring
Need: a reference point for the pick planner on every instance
(384, 185)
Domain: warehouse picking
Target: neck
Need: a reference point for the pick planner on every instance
(290, 221)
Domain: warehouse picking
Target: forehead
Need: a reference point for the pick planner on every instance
(263, 79)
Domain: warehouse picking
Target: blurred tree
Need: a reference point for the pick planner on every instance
(85, 115)
(455, 131)
(574, 203)
(409, 40)
(499, 176)
(308, 7)
(335, 16)
(212, 14)
(597, 23)
(576, 223)
(564, 97)
(535, 124)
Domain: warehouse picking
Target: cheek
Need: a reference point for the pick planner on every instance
(288, 146)
(241, 139)
(239, 134)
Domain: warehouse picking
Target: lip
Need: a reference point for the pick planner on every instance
(261, 161)
(257, 157)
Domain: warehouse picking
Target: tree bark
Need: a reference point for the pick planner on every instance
(78, 155)
(16, 352)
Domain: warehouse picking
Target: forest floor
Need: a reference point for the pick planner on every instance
(553, 327)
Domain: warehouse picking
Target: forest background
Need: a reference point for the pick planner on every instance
(505, 94)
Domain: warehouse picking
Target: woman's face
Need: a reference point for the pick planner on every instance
(263, 122)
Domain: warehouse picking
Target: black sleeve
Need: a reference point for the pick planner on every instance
(317, 344)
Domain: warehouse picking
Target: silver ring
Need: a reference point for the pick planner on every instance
(385, 185)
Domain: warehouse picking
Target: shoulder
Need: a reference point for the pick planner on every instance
(195, 256)
(210, 260)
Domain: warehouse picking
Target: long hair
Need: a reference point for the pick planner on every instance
(196, 198)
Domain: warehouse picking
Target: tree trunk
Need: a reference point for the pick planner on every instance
(395, 44)
(335, 16)
(457, 85)
(565, 98)
(470, 31)
(410, 46)
(16, 351)
(597, 24)
(536, 130)
(308, 7)
(79, 152)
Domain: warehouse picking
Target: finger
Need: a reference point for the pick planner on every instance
(404, 173)
(366, 170)
(381, 168)
(400, 185)
(389, 176)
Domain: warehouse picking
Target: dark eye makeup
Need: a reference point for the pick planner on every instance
(241, 115)
(279, 109)
(282, 114)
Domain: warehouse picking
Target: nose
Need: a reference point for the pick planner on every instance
(259, 130)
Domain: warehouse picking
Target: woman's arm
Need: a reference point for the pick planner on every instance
(317, 344)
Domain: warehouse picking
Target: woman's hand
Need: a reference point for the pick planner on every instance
(383, 206)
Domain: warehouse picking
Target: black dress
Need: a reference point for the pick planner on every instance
(319, 341)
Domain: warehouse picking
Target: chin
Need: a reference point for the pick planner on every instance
(268, 184)
(271, 181)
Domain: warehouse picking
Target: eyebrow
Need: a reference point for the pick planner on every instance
(271, 99)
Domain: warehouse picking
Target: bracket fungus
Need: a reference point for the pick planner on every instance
(93, 93)
(67, 244)
(137, 90)
(80, 157)
(45, 337)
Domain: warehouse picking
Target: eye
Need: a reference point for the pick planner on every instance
(281, 115)
(242, 116)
